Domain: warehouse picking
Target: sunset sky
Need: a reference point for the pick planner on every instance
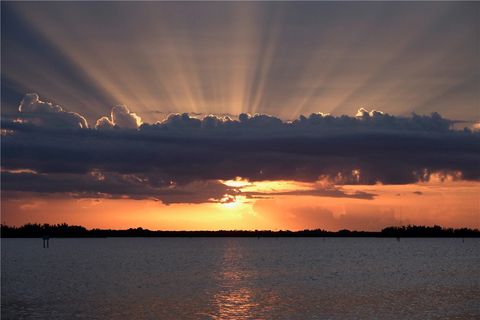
(251, 115)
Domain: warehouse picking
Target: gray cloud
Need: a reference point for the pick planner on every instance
(104, 123)
(101, 184)
(183, 151)
(97, 184)
(331, 192)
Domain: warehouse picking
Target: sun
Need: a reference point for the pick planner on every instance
(229, 201)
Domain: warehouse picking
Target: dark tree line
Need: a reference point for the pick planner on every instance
(64, 230)
(423, 231)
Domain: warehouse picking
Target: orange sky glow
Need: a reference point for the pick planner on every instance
(447, 203)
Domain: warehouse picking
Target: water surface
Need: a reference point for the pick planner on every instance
(241, 278)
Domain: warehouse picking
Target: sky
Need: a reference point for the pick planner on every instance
(241, 115)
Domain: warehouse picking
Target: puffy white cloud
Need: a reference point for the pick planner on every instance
(364, 113)
(122, 117)
(119, 116)
(46, 114)
(31, 103)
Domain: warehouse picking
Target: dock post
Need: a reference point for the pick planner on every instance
(46, 242)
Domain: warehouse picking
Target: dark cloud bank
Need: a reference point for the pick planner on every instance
(182, 158)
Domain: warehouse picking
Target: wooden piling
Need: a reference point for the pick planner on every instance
(46, 242)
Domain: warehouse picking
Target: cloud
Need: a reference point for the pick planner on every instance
(96, 184)
(182, 150)
(123, 118)
(119, 116)
(322, 192)
(46, 114)
(104, 123)
(181, 121)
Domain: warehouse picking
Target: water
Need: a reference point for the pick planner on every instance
(235, 278)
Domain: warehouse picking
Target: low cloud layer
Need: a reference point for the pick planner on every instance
(97, 184)
(182, 154)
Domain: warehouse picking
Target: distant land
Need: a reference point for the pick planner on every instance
(67, 231)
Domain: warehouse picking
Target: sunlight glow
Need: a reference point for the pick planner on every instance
(156, 63)
(276, 186)
(239, 182)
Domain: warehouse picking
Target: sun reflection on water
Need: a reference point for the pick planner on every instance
(235, 298)
(235, 303)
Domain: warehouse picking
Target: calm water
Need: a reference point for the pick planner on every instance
(234, 278)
